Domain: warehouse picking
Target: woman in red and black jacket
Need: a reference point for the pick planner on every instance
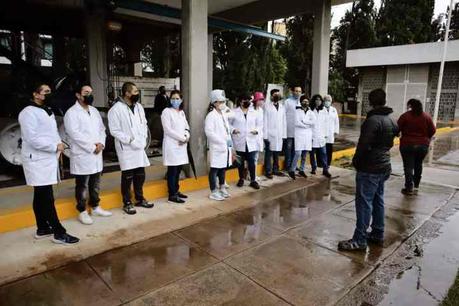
(417, 129)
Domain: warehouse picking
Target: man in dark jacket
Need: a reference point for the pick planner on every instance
(161, 100)
(372, 162)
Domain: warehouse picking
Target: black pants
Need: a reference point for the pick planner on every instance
(213, 174)
(413, 156)
(85, 184)
(173, 177)
(329, 147)
(44, 210)
(250, 158)
(136, 176)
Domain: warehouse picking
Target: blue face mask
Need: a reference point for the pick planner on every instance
(176, 103)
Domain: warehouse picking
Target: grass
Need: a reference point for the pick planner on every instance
(452, 298)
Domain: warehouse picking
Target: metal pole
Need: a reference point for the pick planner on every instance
(442, 64)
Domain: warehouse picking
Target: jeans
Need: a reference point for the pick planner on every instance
(297, 156)
(213, 174)
(173, 177)
(136, 176)
(369, 205)
(250, 157)
(85, 184)
(289, 151)
(321, 155)
(329, 148)
(275, 156)
(413, 156)
(45, 211)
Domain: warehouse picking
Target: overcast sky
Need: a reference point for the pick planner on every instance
(339, 10)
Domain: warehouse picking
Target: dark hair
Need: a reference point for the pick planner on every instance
(304, 97)
(175, 92)
(312, 104)
(377, 97)
(416, 106)
(127, 86)
(242, 97)
(79, 87)
(162, 87)
(36, 88)
(273, 91)
(295, 86)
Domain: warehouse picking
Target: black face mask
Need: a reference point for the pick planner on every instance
(276, 98)
(134, 98)
(88, 100)
(245, 104)
(48, 98)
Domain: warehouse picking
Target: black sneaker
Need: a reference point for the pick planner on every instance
(254, 185)
(292, 175)
(43, 233)
(407, 192)
(129, 209)
(145, 204)
(313, 171)
(376, 241)
(240, 183)
(269, 176)
(65, 239)
(281, 174)
(175, 200)
(327, 174)
(301, 173)
(182, 196)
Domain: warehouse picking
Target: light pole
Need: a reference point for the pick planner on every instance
(442, 64)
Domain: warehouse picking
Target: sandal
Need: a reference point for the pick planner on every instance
(350, 245)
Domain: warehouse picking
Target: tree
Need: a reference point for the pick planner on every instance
(404, 22)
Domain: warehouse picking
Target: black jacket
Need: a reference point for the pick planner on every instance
(376, 139)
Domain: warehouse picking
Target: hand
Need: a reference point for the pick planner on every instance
(236, 131)
(60, 147)
(99, 148)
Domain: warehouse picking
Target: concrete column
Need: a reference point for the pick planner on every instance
(210, 63)
(321, 48)
(195, 74)
(97, 57)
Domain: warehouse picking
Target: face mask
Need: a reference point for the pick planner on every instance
(276, 98)
(304, 104)
(221, 106)
(327, 103)
(296, 95)
(88, 100)
(245, 104)
(48, 98)
(134, 98)
(176, 103)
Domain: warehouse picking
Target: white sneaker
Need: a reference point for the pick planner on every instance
(100, 212)
(226, 185)
(224, 193)
(85, 218)
(215, 195)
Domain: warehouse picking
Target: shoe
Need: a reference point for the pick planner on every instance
(350, 245)
(40, 234)
(129, 209)
(65, 239)
(145, 204)
(415, 190)
(226, 185)
(182, 196)
(215, 195)
(292, 175)
(327, 174)
(224, 193)
(240, 183)
(269, 176)
(85, 218)
(254, 185)
(100, 212)
(407, 192)
(376, 241)
(301, 173)
(281, 174)
(175, 200)
(313, 172)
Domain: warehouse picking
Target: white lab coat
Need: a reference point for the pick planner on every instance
(260, 113)
(176, 130)
(290, 113)
(130, 130)
(304, 124)
(274, 126)
(39, 146)
(217, 130)
(245, 126)
(320, 130)
(84, 130)
(333, 123)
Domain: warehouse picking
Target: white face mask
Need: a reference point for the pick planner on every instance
(327, 103)
(221, 106)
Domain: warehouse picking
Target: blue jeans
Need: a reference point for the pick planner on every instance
(215, 173)
(275, 156)
(321, 155)
(303, 155)
(289, 151)
(369, 205)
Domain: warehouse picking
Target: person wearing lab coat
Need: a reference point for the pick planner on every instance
(41, 148)
(246, 125)
(258, 105)
(319, 135)
(333, 126)
(274, 133)
(218, 133)
(128, 125)
(304, 125)
(175, 141)
(86, 134)
(290, 112)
